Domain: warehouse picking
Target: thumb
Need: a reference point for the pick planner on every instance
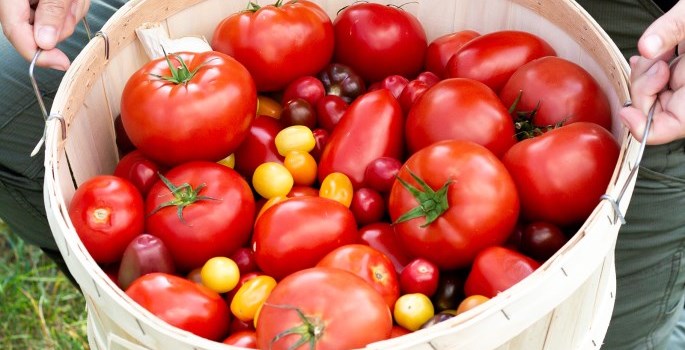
(49, 19)
(664, 34)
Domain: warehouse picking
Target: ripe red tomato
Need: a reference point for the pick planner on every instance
(209, 215)
(183, 304)
(471, 199)
(540, 240)
(369, 264)
(326, 309)
(492, 58)
(460, 109)
(295, 234)
(561, 90)
(277, 43)
(496, 269)
(381, 236)
(378, 40)
(380, 173)
(420, 276)
(259, 146)
(358, 140)
(202, 117)
(141, 171)
(562, 174)
(107, 213)
(368, 206)
(243, 339)
(308, 88)
(329, 110)
(442, 48)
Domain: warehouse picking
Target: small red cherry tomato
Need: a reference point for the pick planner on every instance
(368, 206)
(306, 87)
(420, 276)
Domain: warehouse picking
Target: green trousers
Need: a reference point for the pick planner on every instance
(21, 126)
(650, 265)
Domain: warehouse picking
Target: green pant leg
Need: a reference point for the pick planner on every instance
(21, 126)
(650, 266)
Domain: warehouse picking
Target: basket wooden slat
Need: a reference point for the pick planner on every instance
(566, 304)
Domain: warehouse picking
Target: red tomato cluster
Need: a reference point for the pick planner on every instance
(322, 182)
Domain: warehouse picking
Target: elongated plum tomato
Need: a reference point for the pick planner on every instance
(107, 213)
(493, 57)
(295, 234)
(325, 308)
(189, 106)
(277, 43)
(469, 202)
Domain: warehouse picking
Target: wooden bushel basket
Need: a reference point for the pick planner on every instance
(566, 304)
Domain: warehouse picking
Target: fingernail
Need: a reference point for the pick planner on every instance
(58, 67)
(653, 43)
(653, 69)
(46, 38)
(633, 60)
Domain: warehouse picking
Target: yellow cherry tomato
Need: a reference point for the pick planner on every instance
(270, 203)
(220, 274)
(294, 138)
(250, 296)
(228, 161)
(338, 187)
(269, 107)
(470, 302)
(302, 166)
(413, 310)
(272, 179)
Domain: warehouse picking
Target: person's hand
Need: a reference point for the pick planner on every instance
(653, 79)
(33, 24)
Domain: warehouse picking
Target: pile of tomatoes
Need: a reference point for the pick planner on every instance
(322, 183)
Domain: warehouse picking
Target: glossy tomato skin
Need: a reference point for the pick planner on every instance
(175, 123)
(329, 110)
(372, 127)
(347, 310)
(378, 41)
(540, 240)
(307, 87)
(420, 276)
(442, 48)
(369, 264)
(137, 168)
(492, 58)
(562, 174)
(278, 44)
(183, 304)
(565, 91)
(259, 146)
(368, 206)
(460, 109)
(381, 236)
(107, 213)
(243, 339)
(482, 199)
(216, 226)
(295, 234)
(496, 269)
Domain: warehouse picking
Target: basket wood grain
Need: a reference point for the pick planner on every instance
(566, 304)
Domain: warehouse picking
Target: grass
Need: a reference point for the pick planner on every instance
(39, 307)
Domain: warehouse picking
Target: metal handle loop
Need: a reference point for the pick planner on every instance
(39, 96)
(618, 215)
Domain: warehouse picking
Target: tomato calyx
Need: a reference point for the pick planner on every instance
(523, 122)
(184, 195)
(432, 203)
(309, 331)
(179, 75)
(254, 7)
